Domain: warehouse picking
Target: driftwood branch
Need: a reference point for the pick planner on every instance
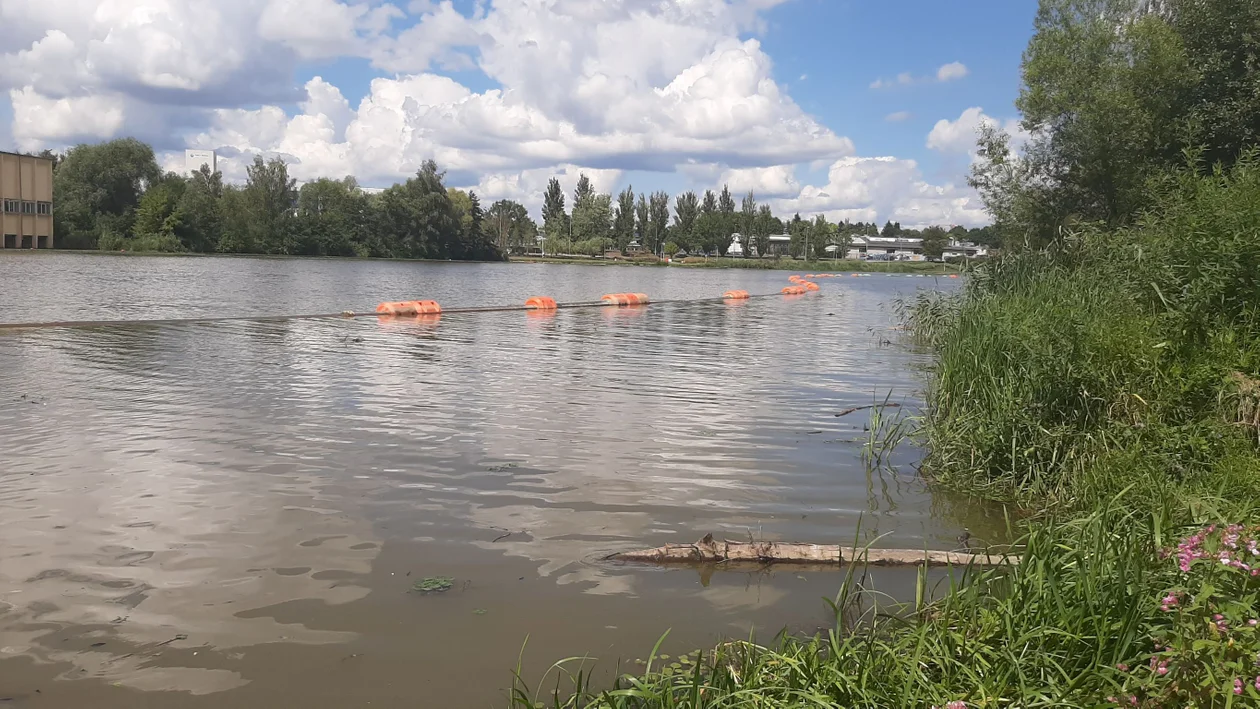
(709, 550)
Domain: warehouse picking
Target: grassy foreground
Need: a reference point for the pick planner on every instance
(1112, 382)
(1091, 616)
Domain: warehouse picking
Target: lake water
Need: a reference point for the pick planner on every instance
(233, 513)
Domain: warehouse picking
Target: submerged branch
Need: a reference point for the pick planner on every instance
(709, 550)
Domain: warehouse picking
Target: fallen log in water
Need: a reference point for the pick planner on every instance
(709, 550)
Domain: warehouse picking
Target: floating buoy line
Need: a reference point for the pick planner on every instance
(429, 310)
(423, 309)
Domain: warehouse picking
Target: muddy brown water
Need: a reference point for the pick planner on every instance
(233, 514)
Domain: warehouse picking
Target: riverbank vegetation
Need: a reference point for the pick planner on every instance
(113, 197)
(1104, 373)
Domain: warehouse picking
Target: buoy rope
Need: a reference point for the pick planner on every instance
(346, 314)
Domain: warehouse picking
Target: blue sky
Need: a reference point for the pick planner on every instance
(664, 94)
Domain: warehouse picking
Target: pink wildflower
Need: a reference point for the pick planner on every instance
(1122, 667)
(1253, 622)
(1237, 686)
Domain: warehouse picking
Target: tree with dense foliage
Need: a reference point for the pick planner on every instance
(765, 224)
(555, 220)
(592, 217)
(1165, 81)
(935, 239)
(509, 226)
(658, 221)
(623, 222)
(201, 217)
(98, 189)
(261, 218)
(747, 222)
(642, 214)
(686, 212)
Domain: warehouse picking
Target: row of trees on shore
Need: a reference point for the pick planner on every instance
(113, 196)
(702, 224)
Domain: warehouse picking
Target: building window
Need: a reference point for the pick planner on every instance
(28, 207)
(43, 207)
(11, 206)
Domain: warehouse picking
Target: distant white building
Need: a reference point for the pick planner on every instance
(964, 249)
(885, 248)
(736, 249)
(780, 244)
(194, 159)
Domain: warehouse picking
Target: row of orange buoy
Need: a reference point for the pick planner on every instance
(544, 303)
(800, 285)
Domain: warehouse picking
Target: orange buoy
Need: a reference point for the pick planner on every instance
(953, 275)
(736, 294)
(397, 308)
(541, 302)
(794, 278)
(626, 299)
(793, 290)
(408, 307)
(810, 285)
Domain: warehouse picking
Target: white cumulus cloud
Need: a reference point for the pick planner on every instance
(775, 181)
(959, 136)
(951, 72)
(602, 87)
(882, 189)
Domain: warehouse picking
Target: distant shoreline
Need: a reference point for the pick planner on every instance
(923, 267)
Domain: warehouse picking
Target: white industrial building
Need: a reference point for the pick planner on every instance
(194, 159)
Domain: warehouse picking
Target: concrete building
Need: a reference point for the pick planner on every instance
(26, 195)
(780, 245)
(964, 249)
(194, 159)
(885, 248)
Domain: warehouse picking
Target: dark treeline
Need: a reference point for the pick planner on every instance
(113, 196)
(705, 224)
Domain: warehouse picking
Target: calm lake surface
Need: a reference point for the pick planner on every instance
(233, 514)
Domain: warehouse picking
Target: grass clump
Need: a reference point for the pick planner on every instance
(433, 584)
(1109, 360)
